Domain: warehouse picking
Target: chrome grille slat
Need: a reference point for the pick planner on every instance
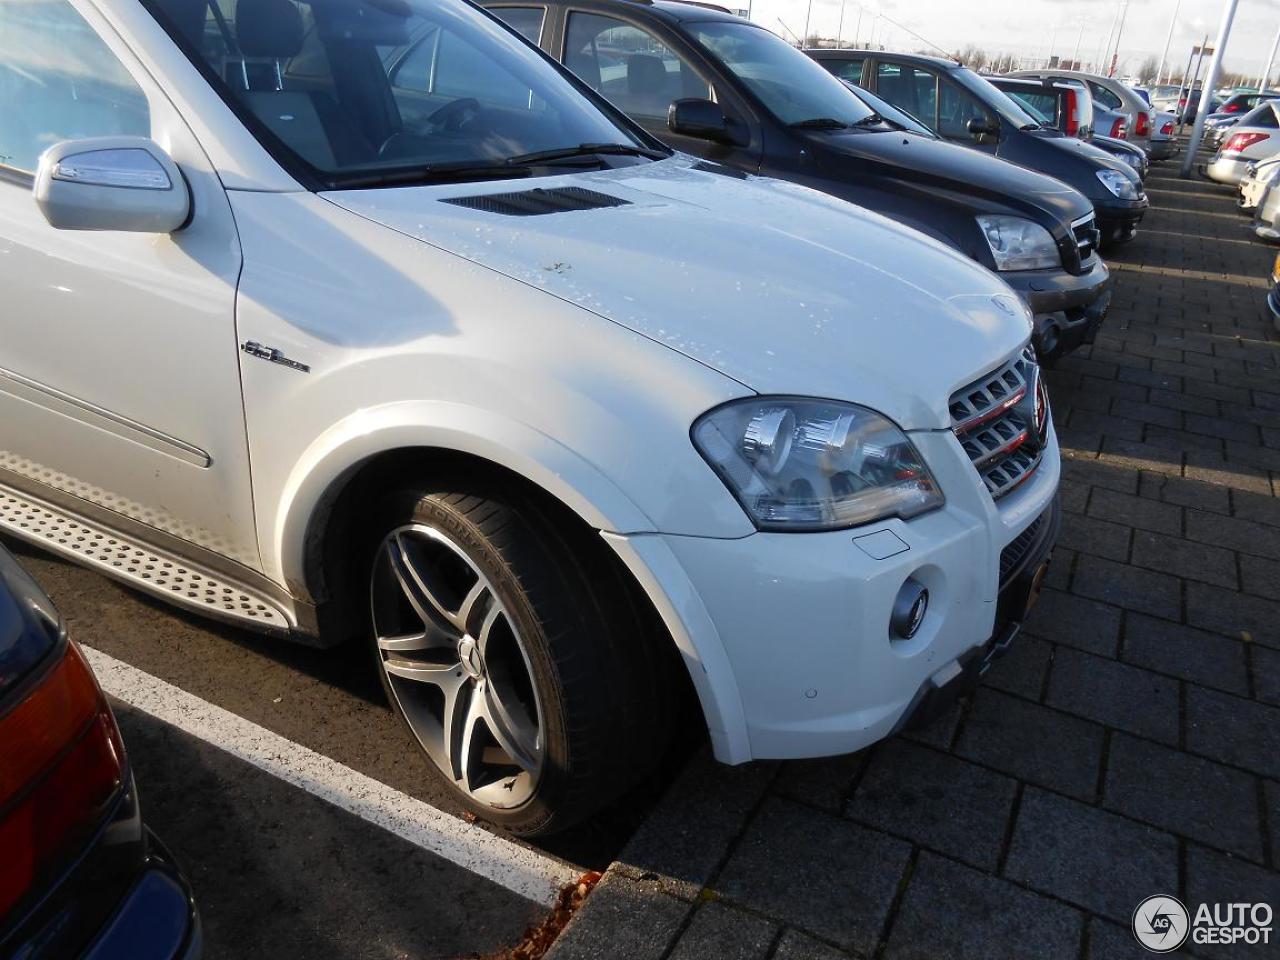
(989, 417)
(1085, 231)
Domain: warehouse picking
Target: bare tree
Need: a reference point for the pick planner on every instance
(974, 57)
(1147, 70)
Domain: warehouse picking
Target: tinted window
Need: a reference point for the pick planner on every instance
(913, 89)
(59, 81)
(637, 72)
(358, 90)
(850, 70)
(1041, 106)
(1105, 96)
(790, 85)
(956, 107)
(526, 21)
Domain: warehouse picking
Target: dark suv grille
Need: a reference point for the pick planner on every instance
(1087, 237)
(1001, 421)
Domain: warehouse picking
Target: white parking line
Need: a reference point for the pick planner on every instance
(522, 871)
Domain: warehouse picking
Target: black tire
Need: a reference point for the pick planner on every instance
(600, 664)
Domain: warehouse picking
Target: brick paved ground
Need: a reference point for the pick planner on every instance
(1130, 745)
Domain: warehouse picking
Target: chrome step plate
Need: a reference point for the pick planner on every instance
(139, 565)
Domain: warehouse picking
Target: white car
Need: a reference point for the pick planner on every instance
(1257, 179)
(1255, 137)
(445, 354)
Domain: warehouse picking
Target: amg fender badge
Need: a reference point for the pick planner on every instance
(255, 349)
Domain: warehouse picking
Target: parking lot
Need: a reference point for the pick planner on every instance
(1129, 745)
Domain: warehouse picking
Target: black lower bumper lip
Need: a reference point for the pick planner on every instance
(1067, 309)
(1120, 224)
(1018, 594)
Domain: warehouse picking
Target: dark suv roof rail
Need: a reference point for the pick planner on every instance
(694, 3)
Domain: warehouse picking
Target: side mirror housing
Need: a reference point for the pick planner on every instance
(699, 118)
(112, 183)
(980, 128)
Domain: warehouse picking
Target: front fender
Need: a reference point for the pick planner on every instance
(442, 425)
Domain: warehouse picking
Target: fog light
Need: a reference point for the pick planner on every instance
(908, 610)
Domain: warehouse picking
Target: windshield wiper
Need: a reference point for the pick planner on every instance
(870, 121)
(819, 123)
(586, 150)
(440, 173)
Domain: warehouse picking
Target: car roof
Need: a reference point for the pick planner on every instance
(681, 10)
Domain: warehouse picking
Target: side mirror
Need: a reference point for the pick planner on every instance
(112, 183)
(699, 118)
(980, 127)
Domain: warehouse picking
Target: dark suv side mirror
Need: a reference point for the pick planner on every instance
(699, 118)
(981, 127)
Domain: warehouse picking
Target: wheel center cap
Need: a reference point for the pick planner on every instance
(469, 654)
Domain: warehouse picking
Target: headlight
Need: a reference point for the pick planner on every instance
(1019, 244)
(1119, 184)
(801, 464)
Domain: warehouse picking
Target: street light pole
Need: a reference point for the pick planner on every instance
(1075, 57)
(840, 29)
(1173, 22)
(1266, 71)
(1111, 64)
(1210, 81)
(804, 41)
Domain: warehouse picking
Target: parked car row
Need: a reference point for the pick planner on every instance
(567, 355)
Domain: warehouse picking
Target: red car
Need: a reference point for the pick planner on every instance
(80, 876)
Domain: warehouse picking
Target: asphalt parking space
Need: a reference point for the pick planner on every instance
(1127, 746)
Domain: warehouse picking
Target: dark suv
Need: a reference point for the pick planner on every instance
(962, 107)
(716, 86)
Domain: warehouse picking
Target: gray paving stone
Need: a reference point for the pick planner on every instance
(1184, 794)
(953, 912)
(1266, 673)
(827, 876)
(794, 945)
(1076, 621)
(1196, 655)
(1252, 506)
(1186, 493)
(1110, 941)
(1097, 537)
(1140, 456)
(936, 800)
(724, 933)
(1131, 587)
(621, 918)
(1233, 614)
(1033, 743)
(1233, 533)
(1236, 474)
(1212, 878)
(1022, 670)
(1233, 730)
(1185, 558)
(1095, 473)
(1141, 512)
(1260, 577)
(1088, 856)
(940, 732)
(824, 782)
(1115, 694)
(684, 839)
(1271, 795)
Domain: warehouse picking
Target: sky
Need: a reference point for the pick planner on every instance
(1030, 27)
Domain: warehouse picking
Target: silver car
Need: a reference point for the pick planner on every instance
(1110, 94)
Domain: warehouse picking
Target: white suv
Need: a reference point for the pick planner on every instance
(439, 351)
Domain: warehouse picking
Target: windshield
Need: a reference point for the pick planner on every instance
(366, 92)
(995, 98)
(1024, 101)
(789, 84)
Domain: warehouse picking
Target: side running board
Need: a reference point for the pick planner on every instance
(140, 565)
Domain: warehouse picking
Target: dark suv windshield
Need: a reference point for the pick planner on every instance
(788, 83)
(360, 92)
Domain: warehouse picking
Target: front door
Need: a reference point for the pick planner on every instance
(119, 372)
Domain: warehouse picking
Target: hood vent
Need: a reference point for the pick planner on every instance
(534, 203)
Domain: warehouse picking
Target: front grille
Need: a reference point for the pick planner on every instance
(1015, 552)
(533, 203)
(1087, 236)
(1001, 421)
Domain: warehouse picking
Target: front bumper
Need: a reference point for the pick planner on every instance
(1229, 169)
(787, 638)
(1118, 219)
(1066, 309)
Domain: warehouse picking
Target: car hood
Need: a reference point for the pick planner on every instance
(962, 170)
(779, 287)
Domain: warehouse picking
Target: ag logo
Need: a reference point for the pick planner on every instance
(1161, 924)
